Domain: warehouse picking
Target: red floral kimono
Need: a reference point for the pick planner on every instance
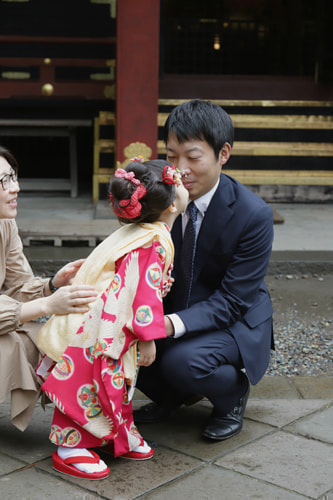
(90, 383)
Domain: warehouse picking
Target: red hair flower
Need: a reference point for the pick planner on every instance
(171, 175)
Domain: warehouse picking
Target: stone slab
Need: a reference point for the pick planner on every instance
(32, 484)
(9, 464)
(273, 388)
(281, 412)
(299, 217)
(31, 445)
(213, 483)
(286, 460)
(317, 426)
(4, 409)
(320, 387)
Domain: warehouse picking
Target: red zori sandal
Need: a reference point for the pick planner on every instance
(65, 466)
(131, 455)
(136, 455)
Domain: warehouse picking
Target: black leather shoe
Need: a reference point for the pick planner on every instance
(152, 413)
(227, 426)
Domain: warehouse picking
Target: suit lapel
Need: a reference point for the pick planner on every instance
(177, 237)
(217, 217)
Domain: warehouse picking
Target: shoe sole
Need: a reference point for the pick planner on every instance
(221, 438)
(138, 456)
(70, 470)
(81, 477)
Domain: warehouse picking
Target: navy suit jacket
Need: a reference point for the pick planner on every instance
(228, 290)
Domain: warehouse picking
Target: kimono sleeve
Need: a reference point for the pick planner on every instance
(147, 318)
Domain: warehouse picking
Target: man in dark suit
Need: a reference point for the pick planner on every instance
(219, 327)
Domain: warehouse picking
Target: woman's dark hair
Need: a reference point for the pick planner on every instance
(200, 120)
(159, 195)
(9, 157)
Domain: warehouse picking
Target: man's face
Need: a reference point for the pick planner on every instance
(197, 162)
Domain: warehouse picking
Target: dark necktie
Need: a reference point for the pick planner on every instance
(188, 253)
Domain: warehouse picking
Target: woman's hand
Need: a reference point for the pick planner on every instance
(71, 299)
(66, 274)
(68, 299)
(147, 352)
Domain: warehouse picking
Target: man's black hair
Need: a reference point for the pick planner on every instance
(200, 120)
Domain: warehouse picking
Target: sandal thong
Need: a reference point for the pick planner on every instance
(65, 466)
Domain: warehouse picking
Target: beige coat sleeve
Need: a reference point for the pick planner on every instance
(17, 282)
(9, 314)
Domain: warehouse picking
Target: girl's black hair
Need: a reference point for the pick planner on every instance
(158, 197)
(9, 157)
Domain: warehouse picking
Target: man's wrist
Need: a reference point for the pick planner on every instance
(169, 327)
(178, 326)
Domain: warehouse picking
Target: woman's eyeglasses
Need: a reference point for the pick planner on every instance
(7, 179)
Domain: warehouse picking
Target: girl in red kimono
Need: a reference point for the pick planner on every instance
(93, 381)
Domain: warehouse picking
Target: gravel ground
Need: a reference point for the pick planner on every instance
(303, 324)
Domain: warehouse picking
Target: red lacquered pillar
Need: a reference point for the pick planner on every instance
(137, 74)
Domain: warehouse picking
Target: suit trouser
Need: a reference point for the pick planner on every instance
(208, 364)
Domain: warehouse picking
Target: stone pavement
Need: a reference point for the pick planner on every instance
(285, 451)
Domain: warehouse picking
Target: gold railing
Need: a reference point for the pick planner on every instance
(274, 148)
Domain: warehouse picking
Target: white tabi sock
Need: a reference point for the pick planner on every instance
(145, 448)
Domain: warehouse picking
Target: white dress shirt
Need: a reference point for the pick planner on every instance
(202, 205)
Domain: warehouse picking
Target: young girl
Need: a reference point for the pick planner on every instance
(92, 382)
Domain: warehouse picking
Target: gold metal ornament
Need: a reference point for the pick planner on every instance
(110, 92)
(112, 3)
(47, 89)
(135, 149)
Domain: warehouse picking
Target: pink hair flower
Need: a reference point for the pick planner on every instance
(123, 174)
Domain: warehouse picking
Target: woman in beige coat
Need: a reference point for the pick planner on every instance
(23, 298)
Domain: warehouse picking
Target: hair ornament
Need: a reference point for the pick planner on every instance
(130, 208)
(130, 176)
(171, 175)
(138, 158)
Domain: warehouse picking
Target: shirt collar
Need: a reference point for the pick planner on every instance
(204, 200)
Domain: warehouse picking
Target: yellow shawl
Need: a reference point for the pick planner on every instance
(98, 270)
